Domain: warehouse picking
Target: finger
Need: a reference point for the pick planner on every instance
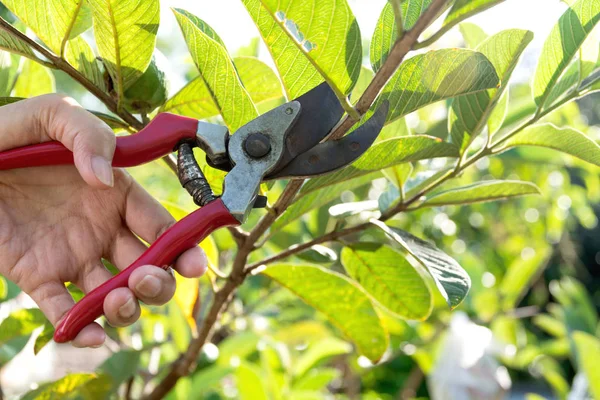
(192, 263)
(152, 285)
(54, 300)
(121, 308)
(125, 249)
(56, 117)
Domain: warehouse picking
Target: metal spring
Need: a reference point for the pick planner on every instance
(191, 176)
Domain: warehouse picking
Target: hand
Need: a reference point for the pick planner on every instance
(58, 222)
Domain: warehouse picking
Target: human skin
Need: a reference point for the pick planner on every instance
(57, 223)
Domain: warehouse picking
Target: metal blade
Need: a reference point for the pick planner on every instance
(321, 111)
(332, 155)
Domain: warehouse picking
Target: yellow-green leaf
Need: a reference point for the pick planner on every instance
(193, 100)
(80, 55)
(217, 71)
(563, 43)
(9, 66)
(297, 73)
(387, 276)
(121, 366)
(327, 33)
(463, 9)
(472, 34)
(20, 323)
(15, 45)
(43, 338)
(125, 32)
(258, 78)
(566, 140)
(34, 80)
(250, 383)
(318, 351)
(469, 114)
(434, 76)
(481, 192)
(3, 288)
(451, 280)
(588, 349)
(51, 20)
(186, 295)
(73, 387)
(338, 298)
(519, 276)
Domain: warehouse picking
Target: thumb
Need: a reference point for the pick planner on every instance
(56, 117)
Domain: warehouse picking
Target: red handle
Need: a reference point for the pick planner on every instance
(156, 140)
(184, 235)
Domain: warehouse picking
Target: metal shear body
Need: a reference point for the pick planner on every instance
(285, 142)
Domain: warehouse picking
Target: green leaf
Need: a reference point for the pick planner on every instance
(316, 379)
(364, 79)
(498, 114)
(561, 46)
(112, 121)
(317, 198)
(125, 33)
(83, 21)
(588, 348)
(193, 100)
(567, 140)
(567, 82)
(34, 80)
(51, 20)
(519, 276)
(434, 76)
(393, 130)
(8, 72)
(319, 351)
(297, 73)
(217, 71)
(340, 299)
(451, 280)
(387, 276)
(80, 55)
(15, 45)
(20, 323)
(120, 366)
(250, 383)
(384, 155)
(73, 387)
(327, 33)
(258, 78)
(469, 114)
(463, 9)
(386, 31)
(3, 288)
(43, 338)
(472, 34)
(481, 192)
(209, 377)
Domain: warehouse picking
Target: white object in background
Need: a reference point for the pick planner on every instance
(466, 368)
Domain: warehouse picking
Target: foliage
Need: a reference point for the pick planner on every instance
(347, 285)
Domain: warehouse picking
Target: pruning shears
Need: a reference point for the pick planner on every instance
(286, 142)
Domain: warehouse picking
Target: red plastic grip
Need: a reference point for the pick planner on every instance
(156, 140)
(184, 235)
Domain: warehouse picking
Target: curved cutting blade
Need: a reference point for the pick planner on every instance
(332, 155)
(321, 111)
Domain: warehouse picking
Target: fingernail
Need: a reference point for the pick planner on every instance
(128, 309)
(103, 170)
(149, 286)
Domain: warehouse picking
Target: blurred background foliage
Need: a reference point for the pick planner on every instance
(533, 263)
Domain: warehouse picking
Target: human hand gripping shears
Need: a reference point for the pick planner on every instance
(286, 142)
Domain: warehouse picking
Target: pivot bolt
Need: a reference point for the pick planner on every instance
(257, 145)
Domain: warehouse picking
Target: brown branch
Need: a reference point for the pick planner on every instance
(411, 384)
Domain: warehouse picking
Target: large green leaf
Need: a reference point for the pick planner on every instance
(80, 55)
(217, 71)
(451, 280)
(43, 338)
(340, 299)
(125, 33)
(588, 349)
(318, 351)
(561, 46)
(83, 21)
(15, 45)
(386, 31)
(472, 34)
(121, 366)
(251, 384)
(317, 198)
(73, 387)
(482, 192)
(469, 114)
(434, 76)
(297, 73)
(258, 78)
(21, 323)
(567, 140)
(51, 20)
(327, 33)
(386, 154)
(34, 80)
(387, 276)
(193, 100)
(463, 9)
